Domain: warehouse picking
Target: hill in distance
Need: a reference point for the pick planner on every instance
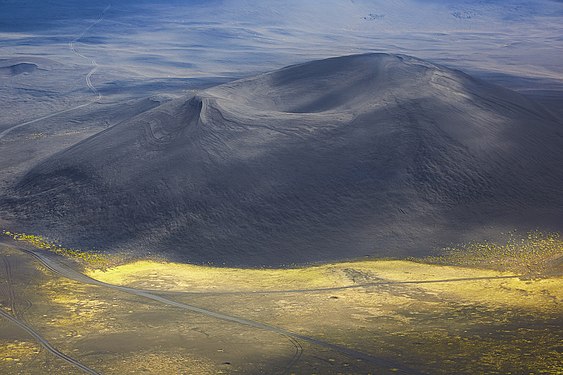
(16, 69)
(364, 155)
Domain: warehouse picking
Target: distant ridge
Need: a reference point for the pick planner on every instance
(16, 69)
(375, 154)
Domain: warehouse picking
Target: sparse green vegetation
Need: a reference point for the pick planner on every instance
(92, 260)
(536, 254)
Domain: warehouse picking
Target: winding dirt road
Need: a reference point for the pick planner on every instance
(44, 343)
(72, 45)
(16, 317)
(50, 262)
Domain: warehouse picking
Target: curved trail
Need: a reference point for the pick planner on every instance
(88, 82)
(16, 312)
(155, 295)
(46, 343)
(10, 283)
(65, 271)
(296, 356)
(72, 43)
(16, 318)
(9, 130)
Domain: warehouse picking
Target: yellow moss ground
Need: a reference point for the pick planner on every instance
(476, 285)
(534, 254)
(488, 268)
(439, 317)
(177, 276)
(16, 351)
(462, 283)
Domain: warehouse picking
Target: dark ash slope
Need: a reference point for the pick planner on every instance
(340, 158)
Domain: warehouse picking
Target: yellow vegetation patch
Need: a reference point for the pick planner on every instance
(459, 283)
(176, 276)
(440, 316)
(68, 301)
(471, 284)
(535, 254)
(92, 259)
(479, 272)
(17, 351)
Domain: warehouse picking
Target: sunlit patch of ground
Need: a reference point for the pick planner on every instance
(488, 287)
(176, 276)
(460, 283)
(118, 333)
(535, 254)
(434, 318)
(481, 326)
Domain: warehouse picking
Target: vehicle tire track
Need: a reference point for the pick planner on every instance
(46, 343)
(16, 318)
(296, 356)
(10, 287)
(72, 46)
(9, 130)
(4, 133)
(17, 312)
(67, 272)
